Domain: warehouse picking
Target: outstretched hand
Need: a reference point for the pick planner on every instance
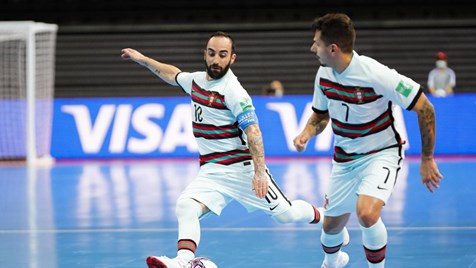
(430, 175)
(132, 54)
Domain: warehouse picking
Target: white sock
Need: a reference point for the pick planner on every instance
(374, 239)
(334, 242)
(188, 212)
(300, 211)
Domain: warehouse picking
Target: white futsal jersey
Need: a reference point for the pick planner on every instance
(216, 104)
(359, 102)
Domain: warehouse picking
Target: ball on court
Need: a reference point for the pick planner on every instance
(201, 262)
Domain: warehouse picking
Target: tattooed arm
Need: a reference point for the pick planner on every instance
(255, 144)
(315, 125)
(429, 172)
(165, 71)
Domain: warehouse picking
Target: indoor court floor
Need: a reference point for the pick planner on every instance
(86, 214)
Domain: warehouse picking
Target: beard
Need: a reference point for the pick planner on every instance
(217, 74)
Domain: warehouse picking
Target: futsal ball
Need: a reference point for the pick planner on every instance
(201, 262)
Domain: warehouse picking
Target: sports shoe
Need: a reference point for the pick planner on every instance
(165, 262)
(341, 262)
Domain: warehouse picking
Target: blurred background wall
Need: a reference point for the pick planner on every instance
(273, 39)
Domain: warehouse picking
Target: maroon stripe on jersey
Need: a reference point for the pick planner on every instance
(226, 158)
(216, 132)
(348, 94)
(342, 156)
(209, 98)
(360, 130)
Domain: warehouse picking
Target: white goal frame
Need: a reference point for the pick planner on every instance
(28, 30)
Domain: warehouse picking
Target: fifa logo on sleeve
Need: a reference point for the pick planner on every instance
(404, 88)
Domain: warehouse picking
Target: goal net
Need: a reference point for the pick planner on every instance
(27, 61)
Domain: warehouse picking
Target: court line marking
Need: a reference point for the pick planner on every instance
(219, 229)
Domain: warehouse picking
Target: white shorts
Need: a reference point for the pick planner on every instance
(217, 190)
(374, 175)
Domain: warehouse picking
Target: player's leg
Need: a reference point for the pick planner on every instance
(188, 212)
(299, 211)
(379, 178)
(333, 237)
(374, 232)
(284, 211)
(340, 203)
(238, 186)
(198, 200)
(290, 211)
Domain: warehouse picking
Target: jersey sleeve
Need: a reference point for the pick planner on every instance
(184, 80)
(398, 88)
(319, 100)
(238, 100)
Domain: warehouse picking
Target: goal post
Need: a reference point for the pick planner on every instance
(27, 66)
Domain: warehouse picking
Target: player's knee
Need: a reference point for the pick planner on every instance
(187, 207)
(367, 217)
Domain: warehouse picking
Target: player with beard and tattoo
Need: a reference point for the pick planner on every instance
(232, 161)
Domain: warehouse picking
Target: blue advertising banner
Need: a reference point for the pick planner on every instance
(161, 127)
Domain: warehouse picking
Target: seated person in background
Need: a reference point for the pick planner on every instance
(442, 79)
(275, 88)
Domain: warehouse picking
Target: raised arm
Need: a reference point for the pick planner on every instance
(166, 72)
(429, 172)
(255, 144)
(315, 125)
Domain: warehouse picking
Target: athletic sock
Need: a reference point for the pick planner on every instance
(331, 244)
(186, 249)
(300, 211)
(374, 239)
(307, 212)
(318, 215)
(188, 212)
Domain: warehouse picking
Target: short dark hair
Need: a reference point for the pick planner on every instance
(222, 34)
(336, 28)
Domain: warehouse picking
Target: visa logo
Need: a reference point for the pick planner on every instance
(123, 118)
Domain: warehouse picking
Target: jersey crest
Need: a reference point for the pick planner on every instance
(359, 95)
(211, 98)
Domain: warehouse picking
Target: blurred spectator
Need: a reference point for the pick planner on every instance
(442, 79)
(275, 88)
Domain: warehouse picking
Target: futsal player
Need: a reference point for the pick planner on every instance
(356, 93)
(232, 159)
